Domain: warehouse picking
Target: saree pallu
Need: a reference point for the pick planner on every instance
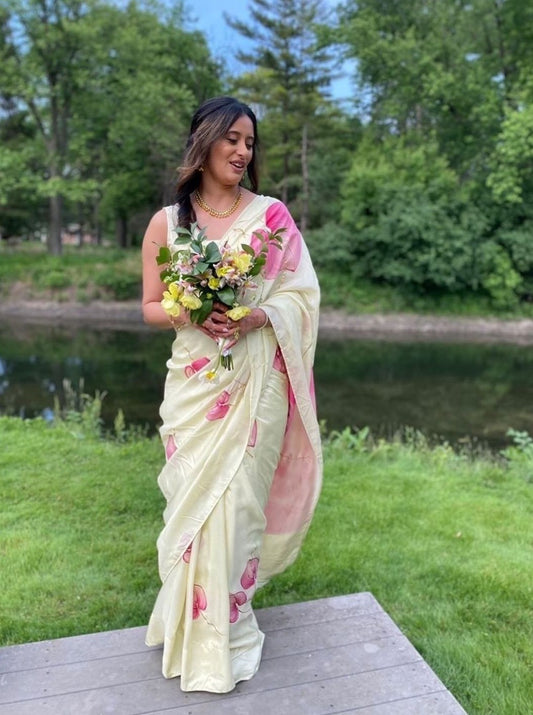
(243, 467)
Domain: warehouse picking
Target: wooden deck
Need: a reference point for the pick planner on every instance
(334, 655)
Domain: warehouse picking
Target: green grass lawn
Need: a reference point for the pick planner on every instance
(443, 541)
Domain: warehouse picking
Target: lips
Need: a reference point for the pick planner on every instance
(238, 165)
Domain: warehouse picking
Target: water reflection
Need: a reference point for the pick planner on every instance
(446, 389)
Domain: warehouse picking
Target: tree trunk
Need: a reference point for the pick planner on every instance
(54, 244)
(304, 218)
(122, 231)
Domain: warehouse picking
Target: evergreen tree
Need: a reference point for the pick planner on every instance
(288, 81)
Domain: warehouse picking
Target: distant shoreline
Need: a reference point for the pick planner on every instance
(334, 324)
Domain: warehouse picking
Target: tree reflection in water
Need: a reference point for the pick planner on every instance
(451, 390)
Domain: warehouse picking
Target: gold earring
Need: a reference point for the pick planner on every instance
(201, 168)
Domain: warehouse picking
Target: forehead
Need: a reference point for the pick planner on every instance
(243, 126)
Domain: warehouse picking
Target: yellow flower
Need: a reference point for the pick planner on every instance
(242, 262)
(169, 303)
(190, 301)
(238, 312)
(214, 283)
(223, 270)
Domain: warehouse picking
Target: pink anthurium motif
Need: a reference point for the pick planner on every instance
(220, 407)
(187, 554)
(196, 366)
(236, 600)
(253, 435)
(199, 601)
(249, 576)
(279, 362)
(170, 447)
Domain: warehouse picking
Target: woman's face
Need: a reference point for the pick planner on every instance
(230, 155)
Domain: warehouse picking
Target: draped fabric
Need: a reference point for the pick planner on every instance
(243, 468)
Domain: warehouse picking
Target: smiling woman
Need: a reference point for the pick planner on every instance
(242, 444)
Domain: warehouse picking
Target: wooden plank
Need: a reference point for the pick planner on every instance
(42, 654)
(442, 703)
(399, 690)
(334, 655)
(131, 640)
(318, 611)
(333, 696)
(110, 670)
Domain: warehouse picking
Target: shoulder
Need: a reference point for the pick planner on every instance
(278, 215)
(159, 220)
(156, 232)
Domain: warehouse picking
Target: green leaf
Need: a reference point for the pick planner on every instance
(212, 253)
(164, 255)
(182, 231)
(260, 262)
(197, 246)
(198, 316)
(226, 295)
(200, 267)
(248, 249)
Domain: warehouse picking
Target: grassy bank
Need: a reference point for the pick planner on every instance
(442, 540)
(28, 272)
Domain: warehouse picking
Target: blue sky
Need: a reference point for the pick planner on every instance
(222, 40)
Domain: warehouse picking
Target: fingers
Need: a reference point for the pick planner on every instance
(217, 325)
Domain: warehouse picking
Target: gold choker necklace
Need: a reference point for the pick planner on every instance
(213, 212)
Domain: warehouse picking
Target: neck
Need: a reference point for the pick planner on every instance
(220, 204)
(215, 193)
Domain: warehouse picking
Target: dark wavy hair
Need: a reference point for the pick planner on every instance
(210, 122)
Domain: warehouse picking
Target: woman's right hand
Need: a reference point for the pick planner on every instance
(217, 325)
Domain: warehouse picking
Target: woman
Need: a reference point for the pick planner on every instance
(243, 466)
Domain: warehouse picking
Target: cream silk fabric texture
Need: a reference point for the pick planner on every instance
(243, 469)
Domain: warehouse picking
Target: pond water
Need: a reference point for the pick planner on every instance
(449, 390)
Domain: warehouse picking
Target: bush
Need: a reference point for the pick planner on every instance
(122, 286)
(54, 279)
(501, 281)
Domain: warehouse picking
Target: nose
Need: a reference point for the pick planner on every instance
(242, 148)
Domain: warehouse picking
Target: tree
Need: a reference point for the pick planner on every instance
(288, 82)
(40, 50)
(438, 79)
(106, 92)
(132, 121)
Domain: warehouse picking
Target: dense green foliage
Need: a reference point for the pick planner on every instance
(439, 194)
(424, 182)
(291, 71)
(441, 539)
(95, 103)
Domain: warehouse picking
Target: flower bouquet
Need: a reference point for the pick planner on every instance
(199, 273)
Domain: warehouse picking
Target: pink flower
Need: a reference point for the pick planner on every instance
(220, 407)
(249, 575)
(236, 600)
(199, 601)
(253, 435)
(196, 366)
(187, 554)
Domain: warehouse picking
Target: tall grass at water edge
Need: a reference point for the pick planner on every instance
(443, 540)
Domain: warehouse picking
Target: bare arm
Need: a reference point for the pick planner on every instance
(153, 287)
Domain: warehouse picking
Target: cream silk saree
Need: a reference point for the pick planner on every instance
(243, 468)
